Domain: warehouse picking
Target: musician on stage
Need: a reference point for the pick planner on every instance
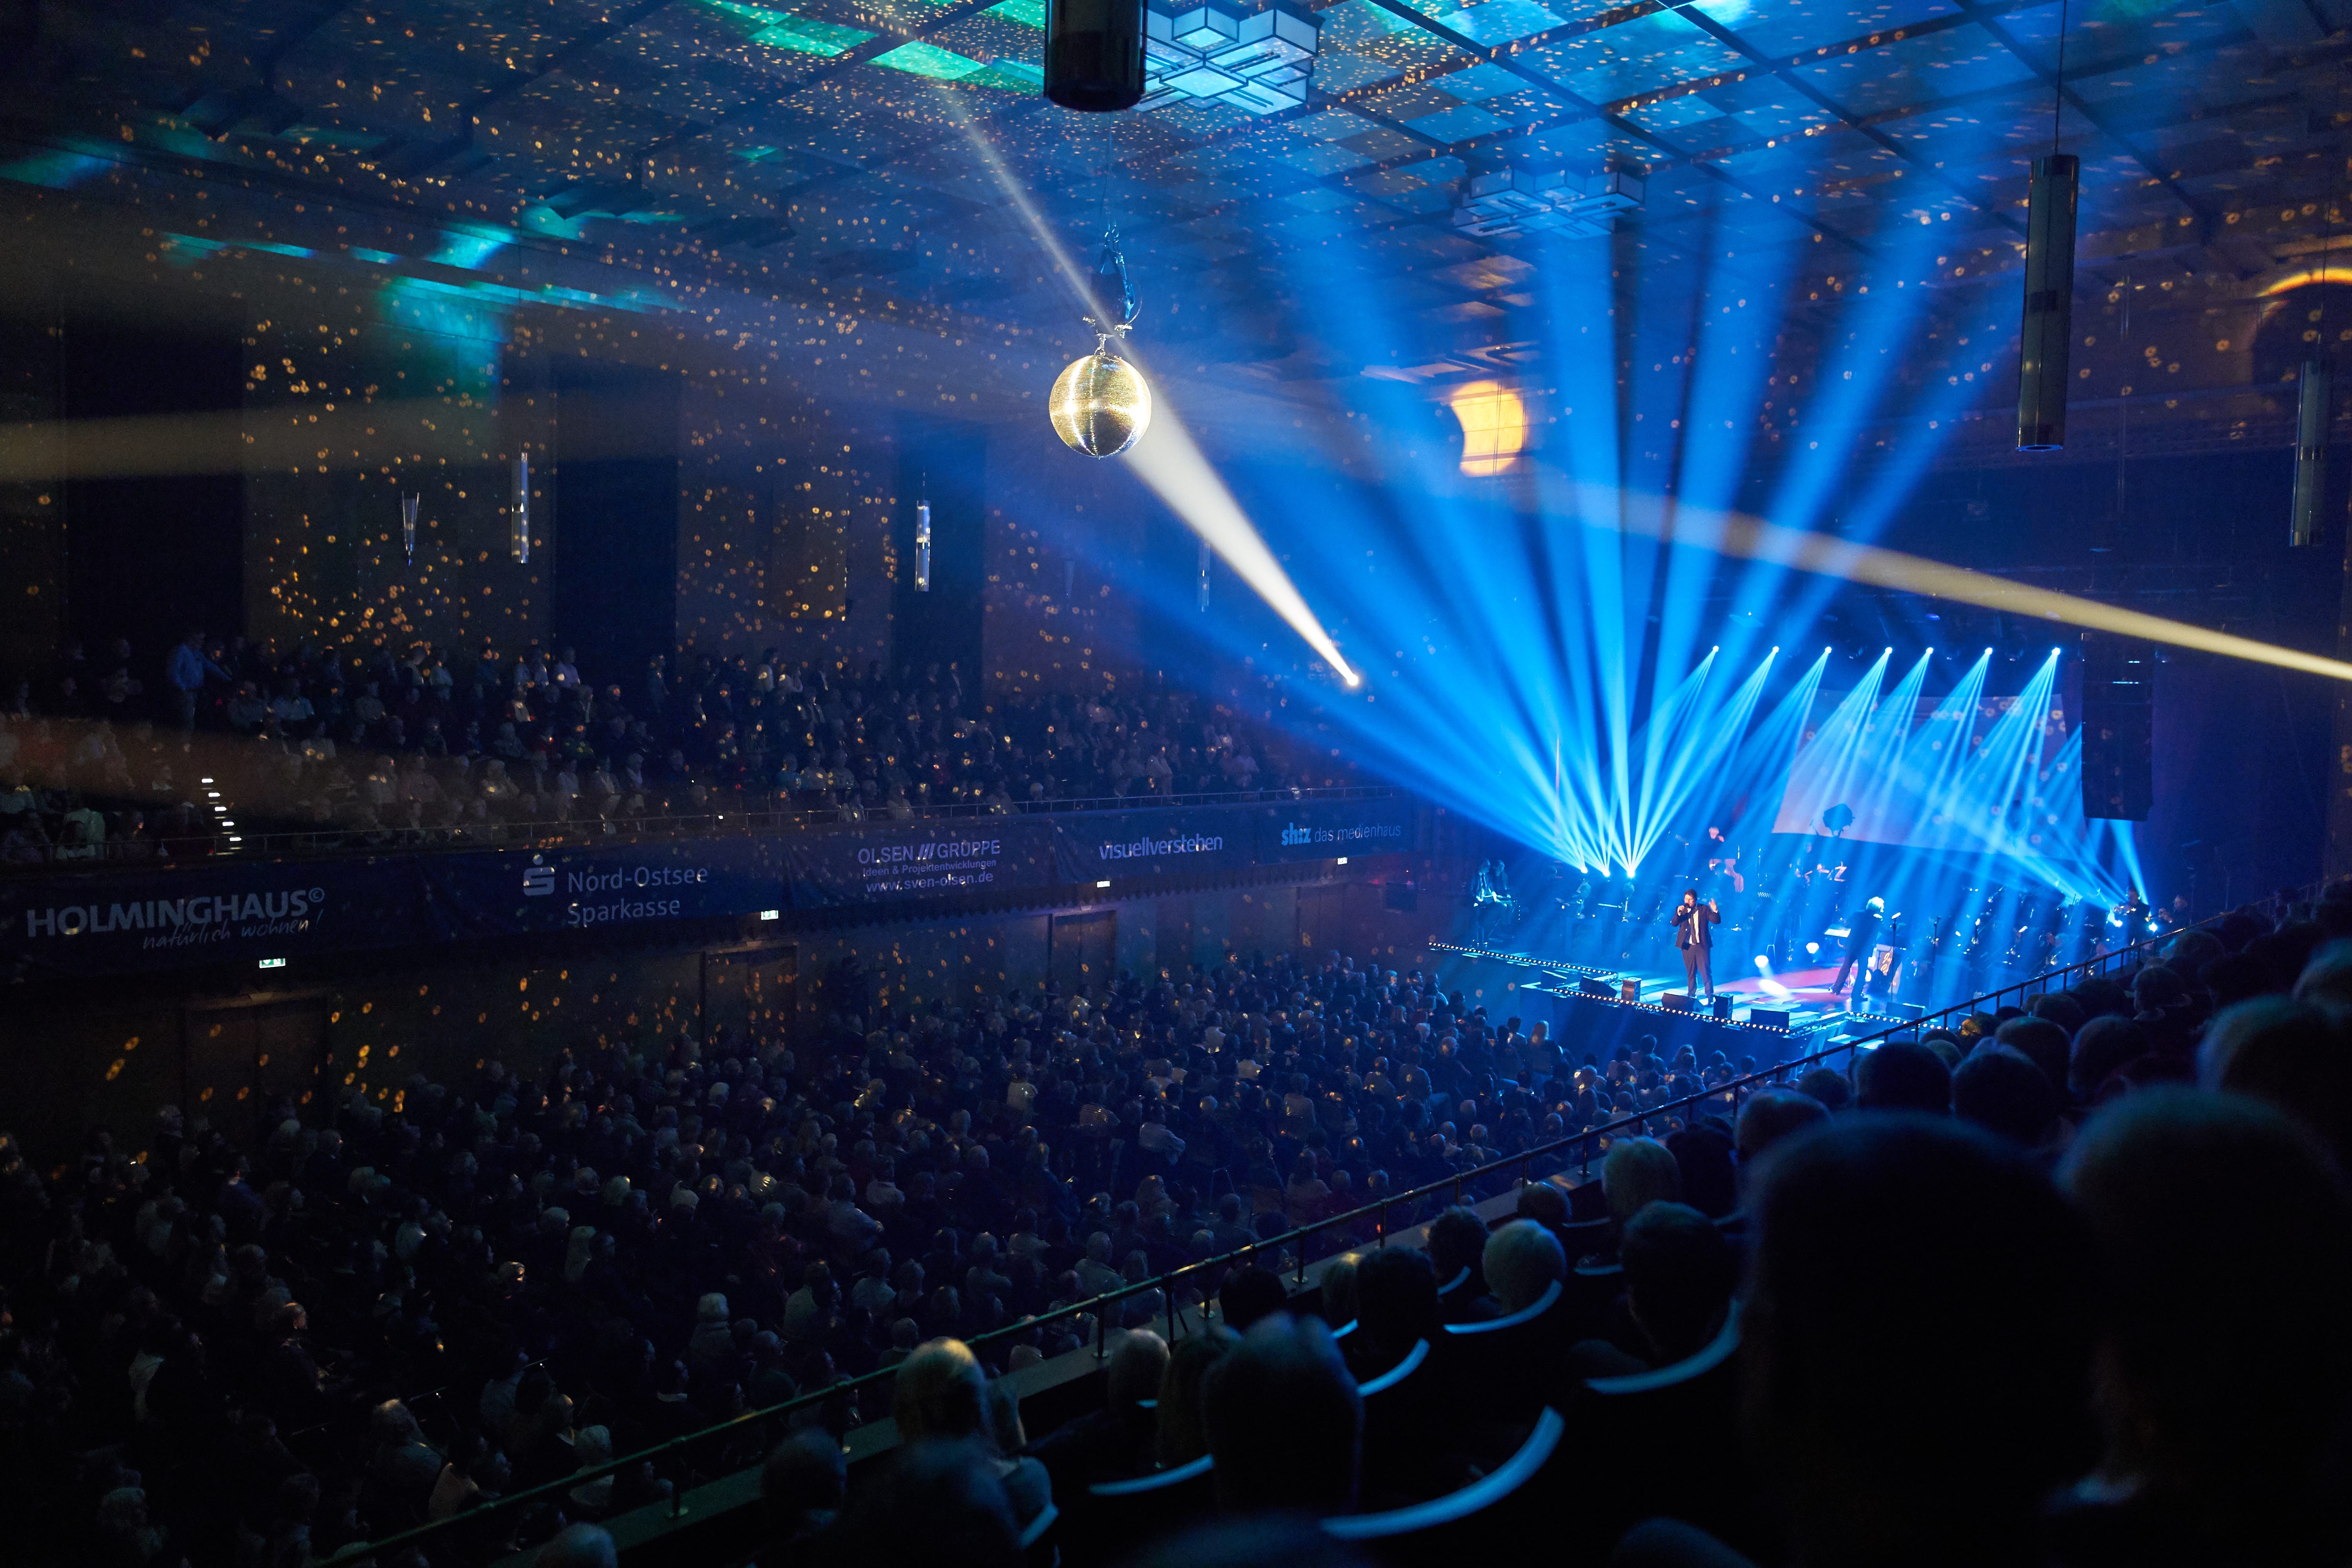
(1694, 939)
(1862, 936)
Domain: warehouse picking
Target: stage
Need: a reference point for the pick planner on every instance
(1771, 1019)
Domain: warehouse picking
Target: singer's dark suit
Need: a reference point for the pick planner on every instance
(1694, 938)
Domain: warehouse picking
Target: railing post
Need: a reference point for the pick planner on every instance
(1102, 1330)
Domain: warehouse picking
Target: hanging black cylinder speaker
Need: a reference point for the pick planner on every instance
(2048, 303)
(2313, 408)
(1093, 54)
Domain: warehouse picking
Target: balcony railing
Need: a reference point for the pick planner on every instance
(589, 830)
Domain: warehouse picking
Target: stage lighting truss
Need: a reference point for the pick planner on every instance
(1259, 63)
(1519, 201)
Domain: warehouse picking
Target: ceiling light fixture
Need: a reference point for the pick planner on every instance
(1259, 63)
(1513, 201)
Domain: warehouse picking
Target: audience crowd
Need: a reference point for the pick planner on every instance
(435, 746)
(2060, 1286)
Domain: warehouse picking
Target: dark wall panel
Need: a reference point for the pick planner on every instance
(148, 557)
(614, 526)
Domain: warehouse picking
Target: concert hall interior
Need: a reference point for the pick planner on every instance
(1175, 782)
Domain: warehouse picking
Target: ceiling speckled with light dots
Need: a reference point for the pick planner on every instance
(826, 149)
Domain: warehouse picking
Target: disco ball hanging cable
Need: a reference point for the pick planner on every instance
(1100, 404)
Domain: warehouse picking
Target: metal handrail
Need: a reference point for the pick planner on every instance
(2099, 962)
(595, 830)
(1522, 1164)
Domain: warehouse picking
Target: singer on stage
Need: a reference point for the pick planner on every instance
(1694, 939)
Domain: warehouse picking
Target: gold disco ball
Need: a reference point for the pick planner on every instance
(1100, 404)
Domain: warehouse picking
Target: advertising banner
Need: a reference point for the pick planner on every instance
(222, 911)
(915, 860)
(1327, 829)
(1092, 845)
(210, 912)
(509, 892)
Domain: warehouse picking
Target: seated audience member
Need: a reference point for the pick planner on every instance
(2044, 1043)
(1701, 1153)
(1285, 1421)
(2158, 988)
(2101, 1046)
(1918, 1334)
(2296, 1056)
(1903, 1075)
(942, 1393)
(1544, 1203)
(577, 1546)
(1680, 1271)
(1261, 1540)
(1637, 1173)
(2327, 978)
(1522, 1261)
(1679, 1276)
(2234, 977)
(938, 1501)
(1396, 1306)
(1181, 1433)
(2102, 996)
(2191, 951)
(801, 1490)
(1338, 1288)
(2000, 1090)
(1765, 1118)
(1117, 1441)
(2225, 1233)
(1827, 1085)
(1250, 1294)
(1457, 1244)
(1947, 1047)
(2059, 1008)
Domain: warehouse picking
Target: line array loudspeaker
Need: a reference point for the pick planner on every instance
(2048, 303)
(2315, 406)
(1093, 54)
(2118, 727)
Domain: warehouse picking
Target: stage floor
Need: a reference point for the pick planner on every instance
(1814, 1014)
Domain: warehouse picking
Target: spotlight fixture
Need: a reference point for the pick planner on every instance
(1093, 54)
(1493, 425)
(408, 508)
(1519, 201)
(922, 547)
(1100, 404)
(1259, 63)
